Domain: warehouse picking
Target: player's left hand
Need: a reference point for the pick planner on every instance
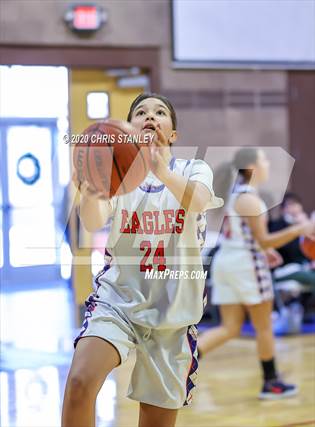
(159, 154)
(274, 258)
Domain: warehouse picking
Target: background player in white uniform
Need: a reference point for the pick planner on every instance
(240, 273)
(157, 227)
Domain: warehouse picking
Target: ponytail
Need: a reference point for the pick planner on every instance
(242, 159)
(224, 177)
(235, 172)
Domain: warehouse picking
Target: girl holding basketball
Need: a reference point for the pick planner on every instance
(240, 273)
(158, 226)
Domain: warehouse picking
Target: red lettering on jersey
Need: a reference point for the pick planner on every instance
(145, 245)
(180, 214)
(150, 222)
(159, 257)
(135, 227)
(125, 227)
(147, 222)
(158, 230)
(169, 215)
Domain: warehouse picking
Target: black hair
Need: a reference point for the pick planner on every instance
(235, 171)
(244, 157)
(290, 197)
(162, 98)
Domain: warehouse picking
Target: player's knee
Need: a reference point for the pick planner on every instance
(264, 328)
(78, 389)
(233, 331)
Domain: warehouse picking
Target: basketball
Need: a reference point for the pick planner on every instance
(308, 247)
(112, 157)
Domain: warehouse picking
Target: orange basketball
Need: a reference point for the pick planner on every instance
(112, 157)
(308, 247)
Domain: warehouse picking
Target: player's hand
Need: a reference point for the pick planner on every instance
(75, 179)
(86, 189)
(274, 258)
(308, 228)
(159, 151)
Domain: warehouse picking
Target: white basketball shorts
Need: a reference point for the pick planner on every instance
(240, 277)
(166, 365)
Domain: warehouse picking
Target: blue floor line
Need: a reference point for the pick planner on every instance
(248, 330)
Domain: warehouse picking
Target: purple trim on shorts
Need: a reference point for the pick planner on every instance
(98, 276)
(204, 297)
(108, 257)
(90, 304)
(190, 384)
(262, 271)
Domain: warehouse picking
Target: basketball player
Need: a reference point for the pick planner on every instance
(156, 228)
(240, 273)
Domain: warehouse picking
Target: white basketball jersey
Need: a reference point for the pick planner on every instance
(236, 232)
(241, 272)
(152, 242)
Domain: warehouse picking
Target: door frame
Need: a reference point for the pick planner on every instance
(13, 278)
(85, 56)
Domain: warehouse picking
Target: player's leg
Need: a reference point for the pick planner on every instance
(232, 318)
(273, 387)
(260, 316)
(93, 360)
(163, 417)
(164, 374)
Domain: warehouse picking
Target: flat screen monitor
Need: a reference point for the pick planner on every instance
(274, 34)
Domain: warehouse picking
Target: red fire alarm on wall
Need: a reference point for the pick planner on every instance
(85, 17)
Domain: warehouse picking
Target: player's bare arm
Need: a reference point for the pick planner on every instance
(249, 206)
(94, 209)
(192, 196)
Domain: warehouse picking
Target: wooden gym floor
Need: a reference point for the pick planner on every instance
(229, 381)
(36, 355)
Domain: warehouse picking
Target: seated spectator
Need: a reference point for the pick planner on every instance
(295, 264)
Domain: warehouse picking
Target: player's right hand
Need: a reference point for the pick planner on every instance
(86, 189)
(76, 180)
(308, 227)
